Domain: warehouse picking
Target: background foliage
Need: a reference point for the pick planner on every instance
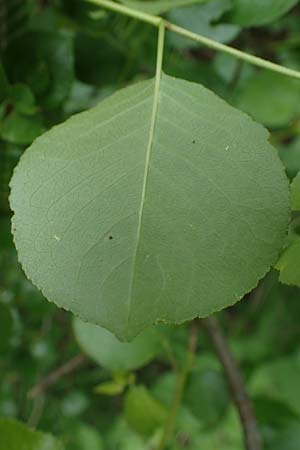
(59, 58)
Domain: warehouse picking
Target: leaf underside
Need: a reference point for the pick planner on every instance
(125, 227)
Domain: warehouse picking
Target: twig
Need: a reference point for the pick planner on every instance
(203, 40)
(53, 377)
(181, 382)
(236, 383)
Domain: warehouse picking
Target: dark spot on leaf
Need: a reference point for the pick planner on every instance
(110, 237)
(194, 142)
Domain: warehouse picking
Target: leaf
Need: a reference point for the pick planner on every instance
(108, 351)
(290, 156)
(258, 12)
(17, 436)
(202, 19)
(210, 387)
(45, 61)
(117, 385)
(84, 437)
(22, 130)
(289, 263)
(126, 225)
(295, 193)
(158, 6)
(279, 380)
(22, 99)
(142, 411)
(270, 98)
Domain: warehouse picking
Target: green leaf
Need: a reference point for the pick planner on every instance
(289, 263)
(45, 61)
(131, 224)
(84, 437)
(202, 19)
(142, 411)
(279, 380)
(107, 350)
(21, 130)
(270, 98)
(227, 436)
(23, 99)
(295, 193)
(290, 156)
(158, 6)
(210, 387)
(116, 386)
(260, 12)
(16, 436)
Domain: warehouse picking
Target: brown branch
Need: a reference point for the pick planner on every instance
(53, 377)
(236, 383)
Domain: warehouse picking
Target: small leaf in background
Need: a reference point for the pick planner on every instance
(117, 385)
(21, 130)
(225, 217)
(290, 156)
(101, 345)
(202, 19)
(142, 411)
(159, 6)
(22, 99)
(209, 386)
(260, 12)
(122, 437)
(289, 262)
(17, 436)
(45, 61)
(277, 380)
(270, 98)
(84, 437)
(295, 193)
(227, 435)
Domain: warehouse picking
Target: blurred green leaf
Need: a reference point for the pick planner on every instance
(279, 380)
(295, 193)
(203, 19)
(22, 130)
(16, 436)
(84, 437)
(22, 99)
(290, 156)
(45, 61)
(207, 396)
(260, 12)
(142, 411)
(159, 6)
(289, 263)
(269, 98)
(116, 386)
(108, 351)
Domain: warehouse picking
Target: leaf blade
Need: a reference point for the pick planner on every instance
(215, 210)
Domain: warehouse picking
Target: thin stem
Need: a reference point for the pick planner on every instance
(254, 60)
(181, 382)
(53, 377)
(236, 383)
(210, 43)
(122, 9)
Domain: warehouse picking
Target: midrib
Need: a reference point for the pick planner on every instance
(156, 95)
